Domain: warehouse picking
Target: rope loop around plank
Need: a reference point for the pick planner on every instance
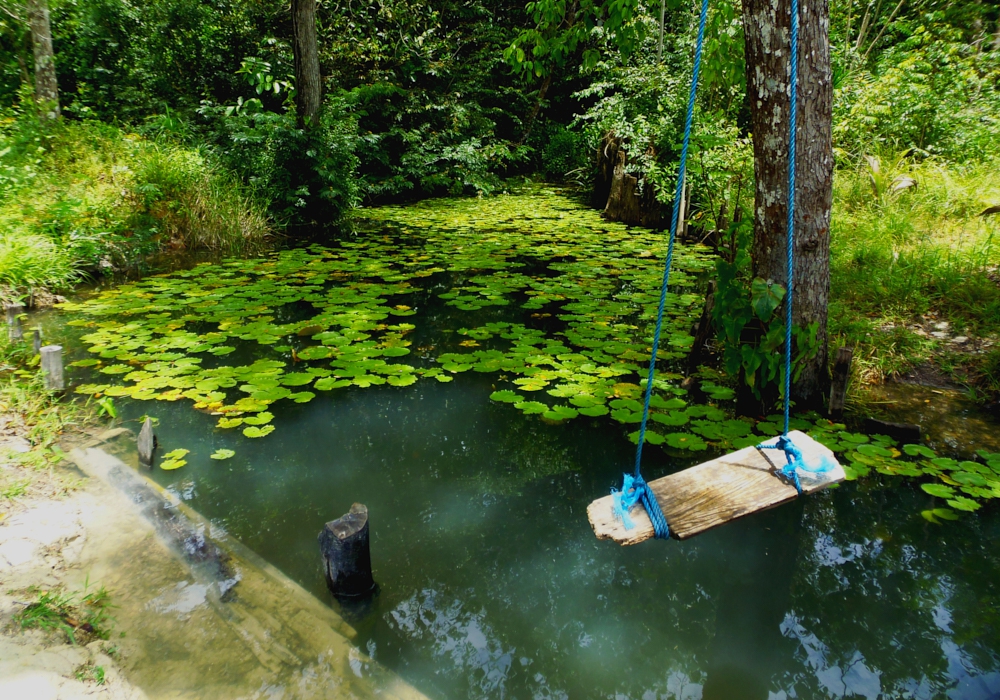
(634, 488)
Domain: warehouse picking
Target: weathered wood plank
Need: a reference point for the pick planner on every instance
(715, 493)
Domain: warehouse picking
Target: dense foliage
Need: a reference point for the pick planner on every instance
(427, 99)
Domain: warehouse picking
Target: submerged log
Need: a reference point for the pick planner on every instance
(52, 367)
(347, 559)
(903, 432)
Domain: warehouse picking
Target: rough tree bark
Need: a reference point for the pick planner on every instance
(767, 29)
(46, 88)
(308, 85)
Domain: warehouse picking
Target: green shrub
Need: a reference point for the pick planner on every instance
(932, 92)
(563, 151)
(304, 176)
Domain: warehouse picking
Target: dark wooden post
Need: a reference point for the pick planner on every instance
(347, 559)
(14, 311)
(702, 330)
(838, 388)
(146, 443)
(36, 341)
(52, 367)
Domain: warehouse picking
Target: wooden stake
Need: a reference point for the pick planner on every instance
(703, 330)
(681, 229)
(147, 443)
(838, 388)
(14, 332)
(347, 559)
(36, 341)
(52, 367)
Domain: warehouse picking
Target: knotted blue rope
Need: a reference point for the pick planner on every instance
(795, 461)
(634, 488)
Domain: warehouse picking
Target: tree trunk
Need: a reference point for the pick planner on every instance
(308, 85)
(46, 88)
(767, 28)
(542, 92)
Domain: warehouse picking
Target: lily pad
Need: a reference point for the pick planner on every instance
(255, 432)
(938, 490)
(919, 451)
(222, 454)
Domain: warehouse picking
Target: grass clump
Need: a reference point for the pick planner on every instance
(910, 251)
(78, 197)
(83, 616)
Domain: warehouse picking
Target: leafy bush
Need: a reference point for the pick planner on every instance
(413, 144)
(124, 60)
(305, 176)
(931, 92)
(563, 151)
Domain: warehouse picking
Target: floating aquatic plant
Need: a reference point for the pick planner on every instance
(554, 302)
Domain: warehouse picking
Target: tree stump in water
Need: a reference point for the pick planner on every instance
(347, 559)
(14, 332)
(607, 156)
(146, 443)
(702, 331)
(623, 201)
(838, 387)
(52, 367)
(617, 191)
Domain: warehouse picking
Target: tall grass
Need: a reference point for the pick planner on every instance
(908, 243)
(87, 196)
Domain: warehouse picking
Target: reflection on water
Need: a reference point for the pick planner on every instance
(493, 586)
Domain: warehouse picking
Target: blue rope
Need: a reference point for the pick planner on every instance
(790, 235)
(795, 460)
(634, 488)
(793, 456)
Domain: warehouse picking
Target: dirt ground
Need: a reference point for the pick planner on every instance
(196, 615)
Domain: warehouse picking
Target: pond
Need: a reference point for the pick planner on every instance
(469, 370)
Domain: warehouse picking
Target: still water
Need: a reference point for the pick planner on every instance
(492, 585)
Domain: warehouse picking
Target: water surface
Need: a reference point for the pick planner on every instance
(491, 583)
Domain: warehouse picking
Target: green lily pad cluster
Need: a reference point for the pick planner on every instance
(962, 485)
(579, 295)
